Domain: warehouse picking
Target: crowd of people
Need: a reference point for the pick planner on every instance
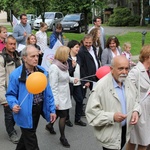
(118, 105)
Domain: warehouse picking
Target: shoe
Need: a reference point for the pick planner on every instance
(50, 129)
(64, 142)
(68, 123)
(14, 138)
(80, 123)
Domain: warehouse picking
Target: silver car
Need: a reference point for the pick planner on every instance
(51, 19)
(30, 19)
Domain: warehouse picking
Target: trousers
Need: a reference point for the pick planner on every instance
(9, 120)
(28, 139)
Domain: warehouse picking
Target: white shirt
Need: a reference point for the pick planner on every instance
(41, 40)
(113, 55)
(91, 51)
(77, 71)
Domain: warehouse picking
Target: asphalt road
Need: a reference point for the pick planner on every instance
(80, 138)
(123, 30)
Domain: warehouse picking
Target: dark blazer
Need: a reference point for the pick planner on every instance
(88, 65)
(72, 69)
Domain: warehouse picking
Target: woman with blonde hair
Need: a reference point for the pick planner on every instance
(96, 41)
(59, 80)
(3, 36)
(31, 40)
(140, 76)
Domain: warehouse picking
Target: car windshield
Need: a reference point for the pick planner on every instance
(47, 16)
(72, 18)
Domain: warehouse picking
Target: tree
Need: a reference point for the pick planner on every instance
(141, 20)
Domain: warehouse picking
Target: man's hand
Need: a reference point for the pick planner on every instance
(87, 84)
(119, 117)
(16, 109)
(25, 34)
(5, 105)
(134, 118)
(53, 118)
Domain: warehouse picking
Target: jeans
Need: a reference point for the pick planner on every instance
(9, 120)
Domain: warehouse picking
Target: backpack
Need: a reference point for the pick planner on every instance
(6, 59)
(4, 56)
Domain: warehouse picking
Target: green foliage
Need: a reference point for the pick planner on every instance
(123, 17)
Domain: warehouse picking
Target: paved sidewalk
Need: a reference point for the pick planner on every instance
(123, 30)
(135, 58)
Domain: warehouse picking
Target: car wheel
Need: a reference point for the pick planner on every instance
(79, 30)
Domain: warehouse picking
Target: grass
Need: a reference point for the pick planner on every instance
(135, 38)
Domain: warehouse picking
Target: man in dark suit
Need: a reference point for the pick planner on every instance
(89, 62)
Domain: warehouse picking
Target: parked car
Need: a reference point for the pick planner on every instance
(30, 19)
(51, 19)
(74, 22)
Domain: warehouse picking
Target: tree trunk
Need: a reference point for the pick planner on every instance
(141, 20)
(86, 21)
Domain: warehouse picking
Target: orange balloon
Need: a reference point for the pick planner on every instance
(36, 83)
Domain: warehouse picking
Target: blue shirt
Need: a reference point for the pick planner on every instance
(121, 95)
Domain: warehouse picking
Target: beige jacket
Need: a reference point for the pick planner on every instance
(4, 77)
(141, 131)
(102, 104)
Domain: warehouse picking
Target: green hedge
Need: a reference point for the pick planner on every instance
(123, 17)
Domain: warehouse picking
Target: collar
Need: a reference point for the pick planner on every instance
(24, 72)
(115, 84)
(23, 24)
(2, 41)
(16, 54)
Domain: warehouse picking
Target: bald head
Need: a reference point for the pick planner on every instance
(119, 60)
(119, 68)
(30, 56)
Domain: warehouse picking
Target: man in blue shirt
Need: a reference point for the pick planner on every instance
(113, 106)
(22, 30)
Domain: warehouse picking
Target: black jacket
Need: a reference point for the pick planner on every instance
(88, 65)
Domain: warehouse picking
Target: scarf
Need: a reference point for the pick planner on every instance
(61, 66)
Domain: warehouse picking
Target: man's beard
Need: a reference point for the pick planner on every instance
(122, 78)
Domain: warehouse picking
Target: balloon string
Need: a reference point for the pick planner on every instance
(24, 99)
(86, 80)
(88, 76)
(146, 95)
(70, 58)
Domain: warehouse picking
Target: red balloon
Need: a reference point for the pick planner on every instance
(102, 71)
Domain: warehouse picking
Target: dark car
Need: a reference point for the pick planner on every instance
(73, 23)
